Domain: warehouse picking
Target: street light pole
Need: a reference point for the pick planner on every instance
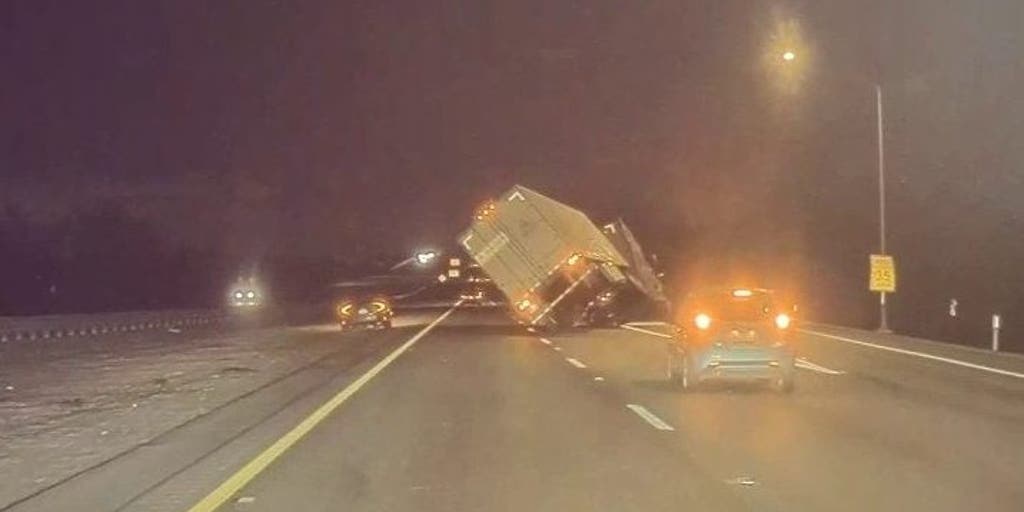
(883, 313)
(789, 56)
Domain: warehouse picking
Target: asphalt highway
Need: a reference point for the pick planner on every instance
(461, 410)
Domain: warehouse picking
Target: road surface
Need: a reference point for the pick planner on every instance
(471, 413)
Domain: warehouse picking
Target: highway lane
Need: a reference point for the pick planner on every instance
(211, 411)
(482, 415)
(495, 419)
(879, 431)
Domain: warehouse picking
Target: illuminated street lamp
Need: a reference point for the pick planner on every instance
(883, 326)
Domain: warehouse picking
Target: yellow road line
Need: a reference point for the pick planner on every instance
(243, 476)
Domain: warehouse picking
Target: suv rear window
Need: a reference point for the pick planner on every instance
(724, 306)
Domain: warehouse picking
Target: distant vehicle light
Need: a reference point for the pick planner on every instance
(379, 306)
(573, 259)
(524, 305)
(442, 278)
(484, 210)
(782, 321)
(742, 292)
(239, 295)
(250, 294)
(702, 321)
(425, 257)
(345, 309)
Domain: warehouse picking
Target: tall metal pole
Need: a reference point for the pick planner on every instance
(883, 313)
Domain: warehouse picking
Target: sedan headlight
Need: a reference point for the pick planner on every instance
(702, 321)
(782, 321)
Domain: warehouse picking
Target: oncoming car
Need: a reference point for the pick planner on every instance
(373, 312)
(740, 334)
(245, 297)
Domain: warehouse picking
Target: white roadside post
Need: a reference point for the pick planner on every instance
(996, 324)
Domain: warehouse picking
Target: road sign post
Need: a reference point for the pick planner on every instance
(882, 280)
(996, 325)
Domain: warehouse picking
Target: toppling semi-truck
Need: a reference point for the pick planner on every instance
(644, 297)
(548, 259)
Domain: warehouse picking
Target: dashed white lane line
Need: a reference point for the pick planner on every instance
(599, 378)
(558, 349)
(649, 417)
(545, 341)
(575, 362)
(932, 357)
(645, 331)
(648, 324)
(807, 365)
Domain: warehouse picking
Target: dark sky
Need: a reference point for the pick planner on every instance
(327, 128)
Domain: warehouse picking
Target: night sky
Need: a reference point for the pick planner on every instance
(342, 130)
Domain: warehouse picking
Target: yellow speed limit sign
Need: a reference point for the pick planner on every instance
(883, 274)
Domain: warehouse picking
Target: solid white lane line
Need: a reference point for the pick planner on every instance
(646, 331)
(575, 362)
(807, 365)
(648, 324)
(243, 476)
(649, 417)
(545, 341)
(956, 362)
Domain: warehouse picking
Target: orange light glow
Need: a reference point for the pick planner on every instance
(782, 321)
(702, 321)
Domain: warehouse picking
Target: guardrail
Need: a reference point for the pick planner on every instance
(15, 329)
(70, 326)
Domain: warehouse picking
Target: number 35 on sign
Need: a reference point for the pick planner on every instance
(883, 274)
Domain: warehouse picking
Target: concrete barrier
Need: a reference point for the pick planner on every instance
(18, 329)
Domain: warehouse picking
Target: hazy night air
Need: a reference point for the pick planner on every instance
(251, 132)
(538, 255)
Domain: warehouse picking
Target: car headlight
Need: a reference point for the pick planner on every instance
(702, 321)
(239, 295)
(250, 294)
(782, 321)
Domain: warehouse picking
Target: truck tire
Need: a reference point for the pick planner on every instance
(680, 372)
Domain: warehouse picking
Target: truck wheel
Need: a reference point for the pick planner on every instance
(680, 372)
(688, 379)
(675, 371)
